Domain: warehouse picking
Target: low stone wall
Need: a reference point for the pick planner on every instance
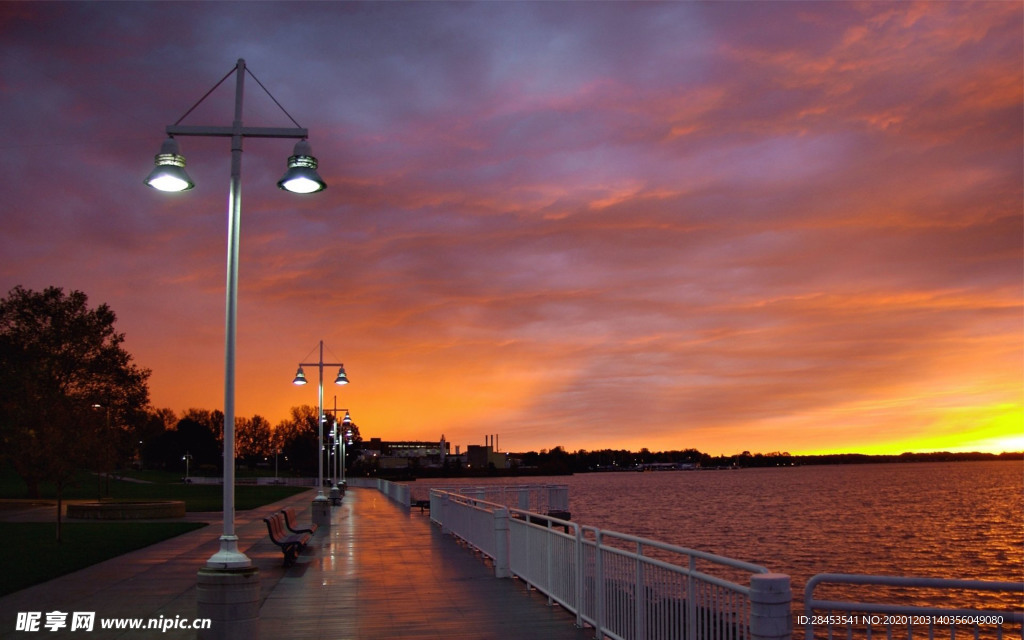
(126, 510)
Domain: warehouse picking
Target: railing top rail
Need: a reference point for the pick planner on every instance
(467, 492)
(675, 568)
(704, 555)
(811, 603)
(470, 500)
(870, 607)
(497, 487)
(527, 514)
(911, 581)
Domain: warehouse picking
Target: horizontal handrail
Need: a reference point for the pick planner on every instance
(912, 581)
(912, 612)
(538, 498)
(703, 555)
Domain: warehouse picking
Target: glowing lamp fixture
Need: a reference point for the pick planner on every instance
(301, 176)
(300, 377)
(169, 173)
(342, 378)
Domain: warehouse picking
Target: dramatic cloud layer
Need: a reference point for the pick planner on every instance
(763, 226)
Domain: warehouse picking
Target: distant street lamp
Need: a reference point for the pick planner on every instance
(300, 379)
(187, 458)
(346, 438)
(103, 471)
(340, 437)
(169, 175)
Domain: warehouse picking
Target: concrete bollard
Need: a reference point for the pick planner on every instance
(230, 599)
(771, 616)
(501, 561)
(321, 512)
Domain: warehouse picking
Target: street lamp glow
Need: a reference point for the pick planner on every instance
(342, 378)
(300, 377)
(169, 173)
(301, 176)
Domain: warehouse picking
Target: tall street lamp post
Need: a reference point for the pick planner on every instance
(169, 175)
(321, 510)
(230, 570)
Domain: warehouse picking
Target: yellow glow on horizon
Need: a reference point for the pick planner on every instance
(991, 429)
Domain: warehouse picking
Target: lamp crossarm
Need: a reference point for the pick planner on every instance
(318, 364)
(246, 132)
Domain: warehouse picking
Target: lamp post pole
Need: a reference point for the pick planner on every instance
(169, 175)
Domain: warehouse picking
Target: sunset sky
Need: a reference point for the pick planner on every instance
(727, 226)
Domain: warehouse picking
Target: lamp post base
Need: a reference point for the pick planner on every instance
(322, 511)
(228, 557)
(230, 599)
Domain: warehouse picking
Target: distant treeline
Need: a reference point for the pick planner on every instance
(559, 461)
(935, 456)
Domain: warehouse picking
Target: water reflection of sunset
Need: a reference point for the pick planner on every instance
(582, 225)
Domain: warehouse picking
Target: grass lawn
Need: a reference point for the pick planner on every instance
(197, 497)
(35, 556)
(84, 544)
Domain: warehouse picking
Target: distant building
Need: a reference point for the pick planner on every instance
(482, 457)
(399, 454)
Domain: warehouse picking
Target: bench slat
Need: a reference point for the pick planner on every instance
(289, 521)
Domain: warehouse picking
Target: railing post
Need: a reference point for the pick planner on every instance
(639, 596)
(598, 587)
(770, 607)
(501, 568)
(691, 599)
(445, 514)
(579, 577)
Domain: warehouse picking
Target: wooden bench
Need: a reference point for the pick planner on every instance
(289, 521)
(291, 543)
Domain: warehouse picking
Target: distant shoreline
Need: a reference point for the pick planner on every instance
(717, 464)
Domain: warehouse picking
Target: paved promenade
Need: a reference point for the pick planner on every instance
(378, 573)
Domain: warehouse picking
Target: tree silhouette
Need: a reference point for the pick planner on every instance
(68, 390)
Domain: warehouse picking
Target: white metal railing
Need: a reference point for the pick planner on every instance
(1000, 619)
(539, 498)
(395, 491)
(673, 597)
(627, 588)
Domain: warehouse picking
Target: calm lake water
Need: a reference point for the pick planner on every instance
(951, 520)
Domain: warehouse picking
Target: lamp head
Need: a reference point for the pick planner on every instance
(342, 378)
(169, 173)
(301, 176)
(300, 377)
